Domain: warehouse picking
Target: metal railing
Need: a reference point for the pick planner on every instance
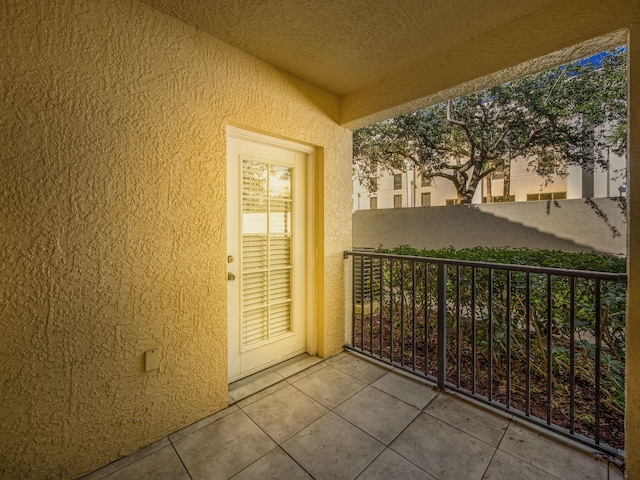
(546, 345)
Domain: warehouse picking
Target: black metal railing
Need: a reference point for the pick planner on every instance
(544, 344)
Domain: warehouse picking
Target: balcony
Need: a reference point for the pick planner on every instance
(546, 345)
(350, 417)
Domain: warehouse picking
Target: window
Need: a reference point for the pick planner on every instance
(397, 201)
(500, 198)
(426, 181)
(426, 199)
(547, 196)
(373, 203)
(397, 181)
(451, 201)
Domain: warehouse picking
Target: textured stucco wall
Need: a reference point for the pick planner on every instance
(113, 223)
(568, 225)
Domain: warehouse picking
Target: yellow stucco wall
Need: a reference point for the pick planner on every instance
(113, 223)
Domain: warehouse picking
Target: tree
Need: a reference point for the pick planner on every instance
(565, 116)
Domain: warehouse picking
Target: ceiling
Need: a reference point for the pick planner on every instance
(343, 46)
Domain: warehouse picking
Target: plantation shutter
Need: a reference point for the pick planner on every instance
(266, 252)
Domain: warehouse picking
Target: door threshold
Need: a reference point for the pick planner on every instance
(270, 376)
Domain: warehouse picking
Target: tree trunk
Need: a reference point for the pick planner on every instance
(488, 194)
(507, 181)
(506, 189)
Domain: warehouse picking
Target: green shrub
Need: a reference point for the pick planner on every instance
(596, 262)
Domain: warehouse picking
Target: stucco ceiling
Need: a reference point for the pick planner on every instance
(345, 45)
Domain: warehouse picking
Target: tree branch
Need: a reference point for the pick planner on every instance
(464, 127)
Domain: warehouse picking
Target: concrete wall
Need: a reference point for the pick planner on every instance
(568, 225)
(113, 215)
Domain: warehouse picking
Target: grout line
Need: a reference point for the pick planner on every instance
(411, 462)
(497, 447)
(282, 379)
(461, 430)
(256, 460)
(371, 462)
(125, 462)
(431, 401)
(292, 435)
(332, 408)
(180, 458)
(303, 469)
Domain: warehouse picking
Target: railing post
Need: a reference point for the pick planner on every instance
(442, 325)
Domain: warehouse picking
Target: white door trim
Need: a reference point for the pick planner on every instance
(310, 291)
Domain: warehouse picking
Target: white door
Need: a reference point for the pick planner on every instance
(267, 251)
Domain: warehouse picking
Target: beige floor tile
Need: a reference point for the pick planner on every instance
(223, 448)
(275, 465)
(403, 388)
(128, 460)
(377, 413)
(161, 465)
(469, 418)
(285, 412)
(389, 466)
(202, 423)
(507, 467)
(329, 386)
(552, 457)
(450, 439)
(363, 370)
(442, 450)
(332, 448)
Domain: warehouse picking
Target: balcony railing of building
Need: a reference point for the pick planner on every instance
(543, 344)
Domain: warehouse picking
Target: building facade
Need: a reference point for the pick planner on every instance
(409, 189)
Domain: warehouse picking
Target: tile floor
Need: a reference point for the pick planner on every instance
(348, 418)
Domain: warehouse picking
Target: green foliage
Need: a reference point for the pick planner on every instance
(596, 262)
(512, 318)
(555, 118)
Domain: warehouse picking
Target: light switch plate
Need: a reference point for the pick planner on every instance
(151, 360)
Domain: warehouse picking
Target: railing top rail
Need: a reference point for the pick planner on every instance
(619, 277)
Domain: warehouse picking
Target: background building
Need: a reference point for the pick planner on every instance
(409, 189)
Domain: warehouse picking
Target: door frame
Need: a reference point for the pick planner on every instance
(310, 297)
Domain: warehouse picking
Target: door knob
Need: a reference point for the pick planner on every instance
(231, 276)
